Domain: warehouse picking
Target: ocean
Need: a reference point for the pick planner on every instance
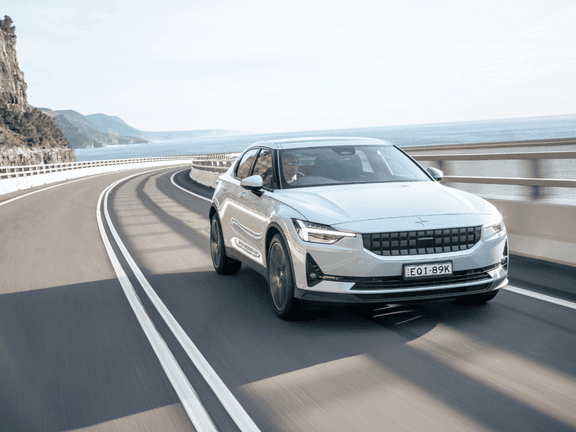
(515, 129)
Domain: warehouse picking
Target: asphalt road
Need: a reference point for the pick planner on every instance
(73, 356)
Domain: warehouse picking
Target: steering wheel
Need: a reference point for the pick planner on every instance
(300, 175)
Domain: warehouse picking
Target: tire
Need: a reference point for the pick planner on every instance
(222, 264)
(476, 299)
(281, 280)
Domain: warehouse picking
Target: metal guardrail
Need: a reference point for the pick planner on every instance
(504, 151)
(222, 162)
(534, 158)
(556, 142)
(217, 162)
(29, 170)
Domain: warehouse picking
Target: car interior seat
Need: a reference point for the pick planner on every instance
(348, 168)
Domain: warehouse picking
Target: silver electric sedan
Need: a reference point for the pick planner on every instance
(353, 221)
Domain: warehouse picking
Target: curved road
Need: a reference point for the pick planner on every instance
(74, 356)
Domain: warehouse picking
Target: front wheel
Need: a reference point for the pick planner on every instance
(281, 280)
(476, 299)
(222, 264)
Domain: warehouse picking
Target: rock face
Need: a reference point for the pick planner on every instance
(27, 137)
(12, 85)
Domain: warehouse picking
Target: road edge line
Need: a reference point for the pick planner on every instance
(188, 397)
(543, 297)
(224, 395)
(186, 190)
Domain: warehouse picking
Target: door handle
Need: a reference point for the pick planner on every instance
(242, 194)
(225, 188)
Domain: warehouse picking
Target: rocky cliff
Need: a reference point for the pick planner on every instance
(27, 137)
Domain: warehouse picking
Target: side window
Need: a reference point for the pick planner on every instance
(263, 167)
(245, 164)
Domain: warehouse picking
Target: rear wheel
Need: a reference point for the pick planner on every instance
(222, 264)
(476, 299)
(281, 280)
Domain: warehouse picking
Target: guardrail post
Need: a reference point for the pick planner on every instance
(536, 172)
(441, 166)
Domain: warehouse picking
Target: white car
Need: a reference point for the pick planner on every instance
(353, 221)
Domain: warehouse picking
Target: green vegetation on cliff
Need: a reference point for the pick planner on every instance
(33, 127)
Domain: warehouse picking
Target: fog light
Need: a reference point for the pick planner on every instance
(313, 272)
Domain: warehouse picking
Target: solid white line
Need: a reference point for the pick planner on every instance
(188, 397)
(64, 184)
(543, 297)
(186, 190)
(51, 187)
(224, 395)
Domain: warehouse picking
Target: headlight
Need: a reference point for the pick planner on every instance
(494, 226)
(317, 233)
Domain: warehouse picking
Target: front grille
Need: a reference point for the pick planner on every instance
(422, 242)
(398, 282)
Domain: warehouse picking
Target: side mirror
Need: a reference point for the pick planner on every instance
(252, 183)
(435, 173)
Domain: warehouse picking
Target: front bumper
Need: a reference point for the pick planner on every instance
(353, 275)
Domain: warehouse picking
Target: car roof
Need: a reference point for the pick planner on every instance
(293, 143)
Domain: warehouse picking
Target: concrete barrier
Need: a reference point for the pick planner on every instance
(205, 169)
(542, 231)
(14, 184)
(205, 178)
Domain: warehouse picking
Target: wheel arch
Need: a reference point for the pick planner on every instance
(273, 229)
(212, 211)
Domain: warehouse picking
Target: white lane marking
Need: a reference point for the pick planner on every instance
(188, 397)
(50, 187)
(186, 190)
(224, 395)
(543, 297)
(64, 184)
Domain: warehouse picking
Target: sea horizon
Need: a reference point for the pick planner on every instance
(464, 132)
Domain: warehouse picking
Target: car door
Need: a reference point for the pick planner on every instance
(231, 208)
(259, 207)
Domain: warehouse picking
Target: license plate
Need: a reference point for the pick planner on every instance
(427, 270)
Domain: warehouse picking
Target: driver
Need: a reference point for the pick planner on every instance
(290, 167)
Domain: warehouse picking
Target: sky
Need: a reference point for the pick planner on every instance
(297, 65)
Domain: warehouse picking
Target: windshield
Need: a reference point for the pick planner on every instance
(346, 164)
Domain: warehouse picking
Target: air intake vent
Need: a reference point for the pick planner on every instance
(422, 242)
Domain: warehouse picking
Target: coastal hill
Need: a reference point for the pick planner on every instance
(82, 132)
(102, 130)
(27, 136)
(113, 124)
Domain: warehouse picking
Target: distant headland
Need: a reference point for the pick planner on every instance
(31, 136)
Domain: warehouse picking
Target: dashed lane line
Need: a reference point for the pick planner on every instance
(224, 395)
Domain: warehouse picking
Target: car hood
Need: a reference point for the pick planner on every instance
(343, 204)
